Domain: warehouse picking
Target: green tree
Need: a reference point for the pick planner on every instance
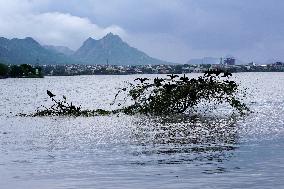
(3, 70)
(27, 70)
(15, 71)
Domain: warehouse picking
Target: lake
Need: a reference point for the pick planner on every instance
(135, 151)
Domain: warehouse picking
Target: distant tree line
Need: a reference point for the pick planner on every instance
(20, 71)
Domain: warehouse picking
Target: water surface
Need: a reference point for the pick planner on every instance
(134, 151)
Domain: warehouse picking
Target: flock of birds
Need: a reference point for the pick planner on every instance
(217, 73)
(208, 73)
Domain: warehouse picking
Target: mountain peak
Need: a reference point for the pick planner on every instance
(111, 36)
(29, 39)
(89, 42)
(110, 33)
(26, 41)
(111, 47)
(90, 39)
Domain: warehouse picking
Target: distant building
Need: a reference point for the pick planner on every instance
(252, 64)
(230, 61)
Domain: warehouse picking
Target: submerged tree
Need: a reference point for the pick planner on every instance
(64, 108)
(164, 96)
(175, 94)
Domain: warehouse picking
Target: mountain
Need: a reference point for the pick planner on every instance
(28, 51)
(111, 49)
(60, 49)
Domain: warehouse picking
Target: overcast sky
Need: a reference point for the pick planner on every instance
(172, 30)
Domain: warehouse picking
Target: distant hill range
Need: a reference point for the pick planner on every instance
(110, 49)
(28, 51)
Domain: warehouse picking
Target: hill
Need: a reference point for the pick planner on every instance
(28, 51)
(111, 49)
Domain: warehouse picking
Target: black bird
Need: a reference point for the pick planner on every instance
(212, 72)
(158, 82)
(173, 76)
(184, 79)
(169, 86)
(227, 74)
(142, 80)
(50, 94)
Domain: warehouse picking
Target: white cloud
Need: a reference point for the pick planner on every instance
(20, 19)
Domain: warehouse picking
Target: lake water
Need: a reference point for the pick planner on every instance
(138, 152)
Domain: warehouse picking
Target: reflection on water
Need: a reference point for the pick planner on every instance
(122, 151)
(185, 140)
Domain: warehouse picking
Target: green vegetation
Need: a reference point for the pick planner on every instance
(4, 70)
(19, 71)
(64, 108)
(175, 95)
(163, 96)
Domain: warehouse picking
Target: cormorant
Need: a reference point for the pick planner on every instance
(173, 76)
(184, 79)
(142, 80)
(50, 94)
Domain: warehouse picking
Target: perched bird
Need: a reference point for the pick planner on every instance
(212, 72)
(142, 80)
(64, 97)
(50, 94)
(169, 86)
(173, 76)
(184, 79)
(158, 82)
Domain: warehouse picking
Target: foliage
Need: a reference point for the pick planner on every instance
(177, 94)
(25, 70)
(163, 96)
(64, 108)
(3, 70)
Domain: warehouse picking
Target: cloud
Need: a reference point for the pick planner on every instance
(249, 29)
(171, 30)
(19, 19)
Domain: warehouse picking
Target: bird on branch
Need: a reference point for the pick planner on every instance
(158, 82)
(142, 80)
(184, 79)
(50, 94)
(173, 76)
(212, 72)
